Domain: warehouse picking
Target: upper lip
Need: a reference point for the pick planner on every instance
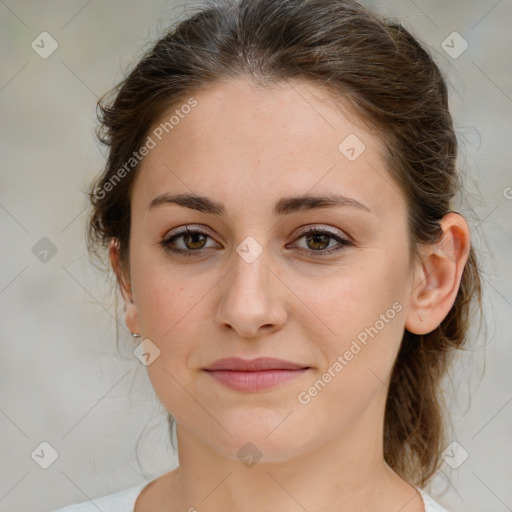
(253, 365)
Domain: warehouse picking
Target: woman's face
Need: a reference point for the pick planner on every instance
(251, 284)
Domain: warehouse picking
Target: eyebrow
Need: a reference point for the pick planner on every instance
(284, 206)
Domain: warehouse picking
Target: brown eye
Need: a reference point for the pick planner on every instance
(318, 241)
(193, 242)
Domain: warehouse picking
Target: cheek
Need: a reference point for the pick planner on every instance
(355, 296)
(165, 298)
(365, 319)
(169, 319)
(358, 313)
(167, 316)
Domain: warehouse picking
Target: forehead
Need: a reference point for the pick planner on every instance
(262, 141)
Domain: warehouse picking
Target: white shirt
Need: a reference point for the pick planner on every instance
(124, 501)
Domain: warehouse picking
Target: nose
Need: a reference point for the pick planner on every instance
(252, 300)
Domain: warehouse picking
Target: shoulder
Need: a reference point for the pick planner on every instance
(430, 504)
(121, 501)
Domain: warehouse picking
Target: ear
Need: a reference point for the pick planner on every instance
(130, 309)
(438, 275)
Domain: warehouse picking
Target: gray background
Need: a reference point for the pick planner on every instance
(62, 380)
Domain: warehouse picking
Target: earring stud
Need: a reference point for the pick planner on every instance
(135, 335)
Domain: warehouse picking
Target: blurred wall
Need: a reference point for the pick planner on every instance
(62, 380)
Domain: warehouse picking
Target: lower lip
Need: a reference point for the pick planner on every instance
(254, 381)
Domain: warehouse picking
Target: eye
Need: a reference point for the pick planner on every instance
(318, 241)
(193, 240)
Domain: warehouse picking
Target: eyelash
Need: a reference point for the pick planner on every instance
(191, 253)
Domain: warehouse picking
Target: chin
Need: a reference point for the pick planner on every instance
(251, 450)
(264, 438)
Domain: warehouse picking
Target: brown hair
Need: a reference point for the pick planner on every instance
(394, 85)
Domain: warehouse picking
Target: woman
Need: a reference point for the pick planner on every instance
(277, 209)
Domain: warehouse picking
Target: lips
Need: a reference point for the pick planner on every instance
(254, 365)
(254, 375)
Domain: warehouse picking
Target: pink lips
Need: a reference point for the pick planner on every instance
(255, 374)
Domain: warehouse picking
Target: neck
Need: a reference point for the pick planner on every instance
(337, 475)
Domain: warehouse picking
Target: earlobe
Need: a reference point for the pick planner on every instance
(437, 276)
(132, 319)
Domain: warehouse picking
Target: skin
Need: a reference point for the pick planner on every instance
(247, 147)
